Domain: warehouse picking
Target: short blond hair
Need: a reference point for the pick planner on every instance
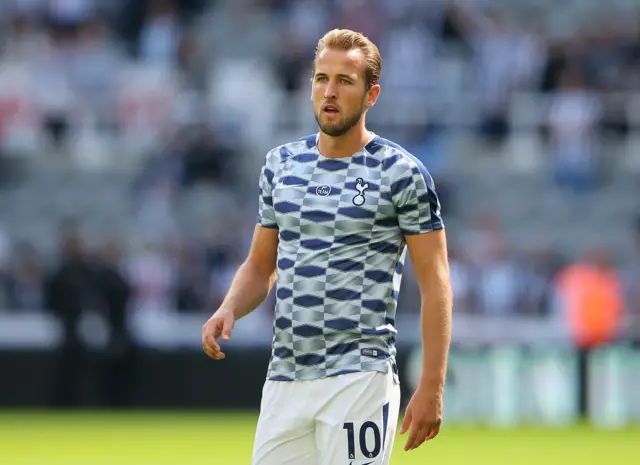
(346, 39)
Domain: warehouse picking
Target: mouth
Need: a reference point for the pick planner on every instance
(330, 110)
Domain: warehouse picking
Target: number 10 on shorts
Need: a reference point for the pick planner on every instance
(365, 441)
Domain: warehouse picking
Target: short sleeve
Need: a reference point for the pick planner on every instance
(266, 213)
(415, 199)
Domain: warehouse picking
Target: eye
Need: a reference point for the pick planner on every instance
(345, 81)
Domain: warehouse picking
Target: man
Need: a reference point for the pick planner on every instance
(337, 212)
(69, 290)
(120, 353)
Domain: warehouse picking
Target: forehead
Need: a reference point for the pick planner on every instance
(335, 61)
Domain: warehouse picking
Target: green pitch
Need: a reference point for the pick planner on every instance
(226, 439)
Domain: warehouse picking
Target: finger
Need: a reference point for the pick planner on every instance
(217, 355)
(209, 350)
(435, 429)
(416, 439)
(212, 336)
(414, 430)
(406, 422)
(213, 346)
(210, 353)
(409, 444)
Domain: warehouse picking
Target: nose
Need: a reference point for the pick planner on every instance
(330, 91)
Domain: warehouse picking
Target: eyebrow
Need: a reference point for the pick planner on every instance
(346, 76)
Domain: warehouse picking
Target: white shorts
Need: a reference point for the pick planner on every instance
(348, 419)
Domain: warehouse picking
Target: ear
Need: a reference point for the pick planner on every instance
(372, 95)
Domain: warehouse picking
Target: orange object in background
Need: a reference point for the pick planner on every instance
(591, 292)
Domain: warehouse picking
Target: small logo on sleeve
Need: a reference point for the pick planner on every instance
(361, 186)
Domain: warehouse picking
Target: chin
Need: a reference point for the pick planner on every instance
(333, 131)
(336, 128)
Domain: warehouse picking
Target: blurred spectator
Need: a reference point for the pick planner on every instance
(431, 144)
(402, 73)
(499, 282)
(530, 54)
(164, 167)
(54, 88)
(463, 282)
(591, 299)
(155, 215)
(484, 231)
(632, 287)
(605, 55)
(28, 283)
(208, 159)
(192, 62)
(160, 35)
(554, 65)
(68, 14)
(573, 119)
(590, 303)
(192, 288)
(456, 20)
(70, 291)
(6, 281)
(119, 352)
(96, 55)
(222, 276)
(23, 41)
(537, 292)
(308, 20)
(152, 276)
(495, 53)
(218, 246)
(290, 62)
(349, 14)
(497, 277)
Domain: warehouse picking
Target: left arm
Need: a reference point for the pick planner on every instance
(428, 253)
(420, 222)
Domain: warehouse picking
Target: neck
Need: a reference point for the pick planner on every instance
(345, 145)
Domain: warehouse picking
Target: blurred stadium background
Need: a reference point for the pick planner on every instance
(131, 137)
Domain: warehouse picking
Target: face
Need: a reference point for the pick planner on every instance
(339, 91)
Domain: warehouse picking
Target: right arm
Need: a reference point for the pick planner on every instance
(254, 280)
(255, 277)
(250, 286)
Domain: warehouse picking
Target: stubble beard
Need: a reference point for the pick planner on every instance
(341, 127)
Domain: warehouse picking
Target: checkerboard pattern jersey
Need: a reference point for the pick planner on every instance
(341, 225)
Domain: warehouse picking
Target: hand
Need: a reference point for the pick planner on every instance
(423, 417)
(219, 325)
